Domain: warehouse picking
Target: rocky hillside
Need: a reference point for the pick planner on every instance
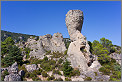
(15, 36)
(53, 58)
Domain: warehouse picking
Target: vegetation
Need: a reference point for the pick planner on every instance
(15, 36)
(56, 72)
(88, 79)
(10, 53)
(4, 74)
(44, 74)
(68, 79)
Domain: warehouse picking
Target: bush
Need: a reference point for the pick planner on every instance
(67, 69)
(5, 72)
(95, 73)
(56, 72)
(75, 72)
(51, 78)
(60, 61)
(104, 70)
(36, 79)
(68, 79)
(65, 52)
(27, 74)
(48, 52)
(88, 79)
(44, 74)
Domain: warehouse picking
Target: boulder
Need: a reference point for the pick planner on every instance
(96, 65)
(12, 77)
(13, 68)
(31, 68)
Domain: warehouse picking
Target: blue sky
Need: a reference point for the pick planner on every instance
(101, 18)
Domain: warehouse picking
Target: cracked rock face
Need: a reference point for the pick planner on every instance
(74, 22)
(78, 51)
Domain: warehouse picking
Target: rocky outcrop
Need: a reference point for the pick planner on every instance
(54, 43)
(31, 68)
(13, 73)
(117, 57)
(78, 51)
(12, 77)
(45, 43)
(13, 68)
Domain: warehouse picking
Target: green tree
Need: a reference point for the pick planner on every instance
(106, 43)
(6, 44)
(67, 69)
(13, 55)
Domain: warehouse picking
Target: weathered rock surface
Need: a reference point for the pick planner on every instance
(78, 51)
(117, 57)
(13, 68)
(96, 65)
(54, 43)
(13, 73)
(12, 77)
(31, 68)
(74, 21)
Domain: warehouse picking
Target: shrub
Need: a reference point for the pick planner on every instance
(44, 74)
(95, 73)
(22, 68)
(68, 79)
(60, 61)
(56, 72)
(51, 78)
(65, 52)
(5, 72)
(27, 74)
(104, 70)
(48, 52)
(36, 79)
(88, 79)
(75, 72)
(67, 69)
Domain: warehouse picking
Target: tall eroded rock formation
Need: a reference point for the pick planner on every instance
(78, 51)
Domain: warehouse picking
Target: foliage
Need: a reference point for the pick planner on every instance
(90, 44)
(68, 79)
(88, 79)
(15, 36)
(44, 74)
(56, 72)
(27, 51)
(75, 72)
(60, 61)
(51, 78)
(4, 74)
(36, 79)
(57, 55)
(14, 55)
(67, 69)
(48, 52)
(65, 52)
(5, 45)
(95, 73)
(67, 42)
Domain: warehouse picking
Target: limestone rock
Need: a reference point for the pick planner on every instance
(54, 43)
(12, 77)
(78, 51)
(31, 68)
(117, 57)
(76, 57)
(13, 68)
(74, 21)
(96, 65)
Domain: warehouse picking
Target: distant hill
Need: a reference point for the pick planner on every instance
(15, 36)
